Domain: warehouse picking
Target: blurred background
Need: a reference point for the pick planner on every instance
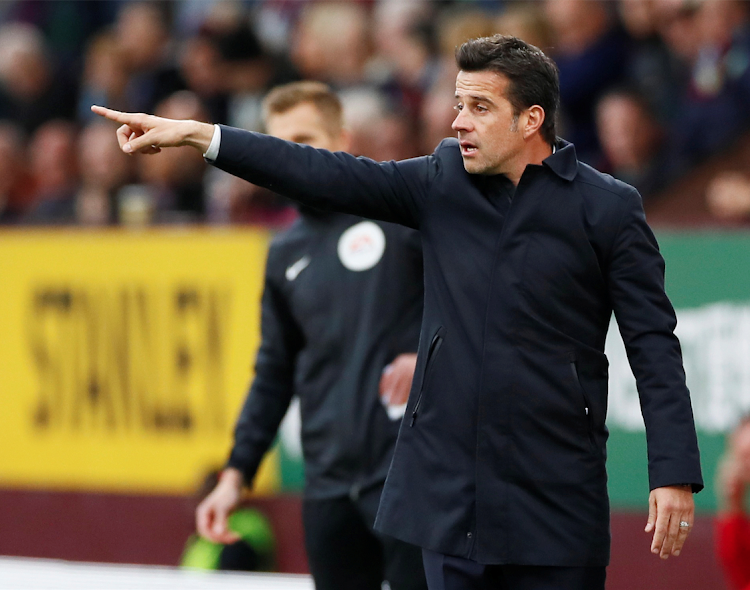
(129, 287)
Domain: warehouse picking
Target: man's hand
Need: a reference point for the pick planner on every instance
(667, 508)
(147, 134)
(395, 383)
(211, 516)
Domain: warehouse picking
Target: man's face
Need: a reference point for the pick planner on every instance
(305, 124)
(489, 135)
(741, 448)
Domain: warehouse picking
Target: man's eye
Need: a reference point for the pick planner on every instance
(481, 108)
(459, 107)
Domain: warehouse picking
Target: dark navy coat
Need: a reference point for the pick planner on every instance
(501, 456)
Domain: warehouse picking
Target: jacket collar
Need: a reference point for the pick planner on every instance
(563, 161)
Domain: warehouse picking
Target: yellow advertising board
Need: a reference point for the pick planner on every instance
(125, 356)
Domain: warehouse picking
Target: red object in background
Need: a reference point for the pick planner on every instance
(733, 548)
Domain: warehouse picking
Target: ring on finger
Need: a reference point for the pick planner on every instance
(684, 524)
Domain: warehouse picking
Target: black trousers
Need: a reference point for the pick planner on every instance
(345, 553)
(445, 572)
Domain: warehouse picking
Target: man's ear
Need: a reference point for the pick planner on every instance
(534, 119)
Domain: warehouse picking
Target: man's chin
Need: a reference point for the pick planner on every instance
(472, 166)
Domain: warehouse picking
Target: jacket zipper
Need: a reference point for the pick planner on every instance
(434, 347)
(587, 404)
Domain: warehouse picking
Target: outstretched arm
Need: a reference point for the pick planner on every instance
(147, 134)
(389, 191)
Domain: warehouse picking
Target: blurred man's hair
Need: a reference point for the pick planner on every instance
(533, 77)
(284, 98)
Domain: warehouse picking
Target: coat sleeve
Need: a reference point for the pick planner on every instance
(273, 386)
(647, 321)
(389, 191)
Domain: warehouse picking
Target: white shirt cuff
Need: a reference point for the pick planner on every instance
(213, 148)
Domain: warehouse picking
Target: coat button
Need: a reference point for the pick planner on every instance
(468, 535)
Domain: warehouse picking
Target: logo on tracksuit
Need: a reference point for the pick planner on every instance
(361, 246)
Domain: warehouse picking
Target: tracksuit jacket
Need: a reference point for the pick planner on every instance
(342, 298)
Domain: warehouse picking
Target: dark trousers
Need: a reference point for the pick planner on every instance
(345, 553)
(445, 572)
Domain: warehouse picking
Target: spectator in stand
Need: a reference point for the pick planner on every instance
(631, 139)
(200, 67)
(725, 28)
(332, 43)
(378, 130)
(728, 197)
(404, 40)
(143, 37)
(104, 169)
(15, 187)
(104, 75)
(657, 74)
(33, 93)
(174, 178)
(52, 162)
(676, 23)
(591, 54)
(733, 521)
(713, 112)
(456, 25)
(527, 22)
(246, 71)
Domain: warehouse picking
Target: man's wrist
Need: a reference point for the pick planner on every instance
(232, 476)
(199, 135)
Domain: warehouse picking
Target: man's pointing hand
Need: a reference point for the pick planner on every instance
(147, 134)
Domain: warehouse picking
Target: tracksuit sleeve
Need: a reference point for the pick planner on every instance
(388, 191)
(273, 386)
(733, 548)
(647, 321)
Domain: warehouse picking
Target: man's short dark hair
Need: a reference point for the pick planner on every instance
(533, 77)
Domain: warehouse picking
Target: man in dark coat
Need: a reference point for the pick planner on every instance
(499, 471)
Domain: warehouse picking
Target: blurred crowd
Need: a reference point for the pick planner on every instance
(650, 89)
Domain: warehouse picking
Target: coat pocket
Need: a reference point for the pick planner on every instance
(435, 344)
(587, 410)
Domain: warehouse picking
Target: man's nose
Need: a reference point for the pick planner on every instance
(461, 122)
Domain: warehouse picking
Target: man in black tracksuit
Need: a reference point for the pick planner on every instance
(342, 303)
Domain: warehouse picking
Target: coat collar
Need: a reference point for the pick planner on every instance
(563, 161)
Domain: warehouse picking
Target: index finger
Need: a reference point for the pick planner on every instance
(111, 114)
(660, 534)
(203, 521)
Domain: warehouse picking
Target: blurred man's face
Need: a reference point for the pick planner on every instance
(741, 448)
(625, 132)
(304, 123)
(489, 135)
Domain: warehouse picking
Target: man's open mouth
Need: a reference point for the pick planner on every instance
(467, 148)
